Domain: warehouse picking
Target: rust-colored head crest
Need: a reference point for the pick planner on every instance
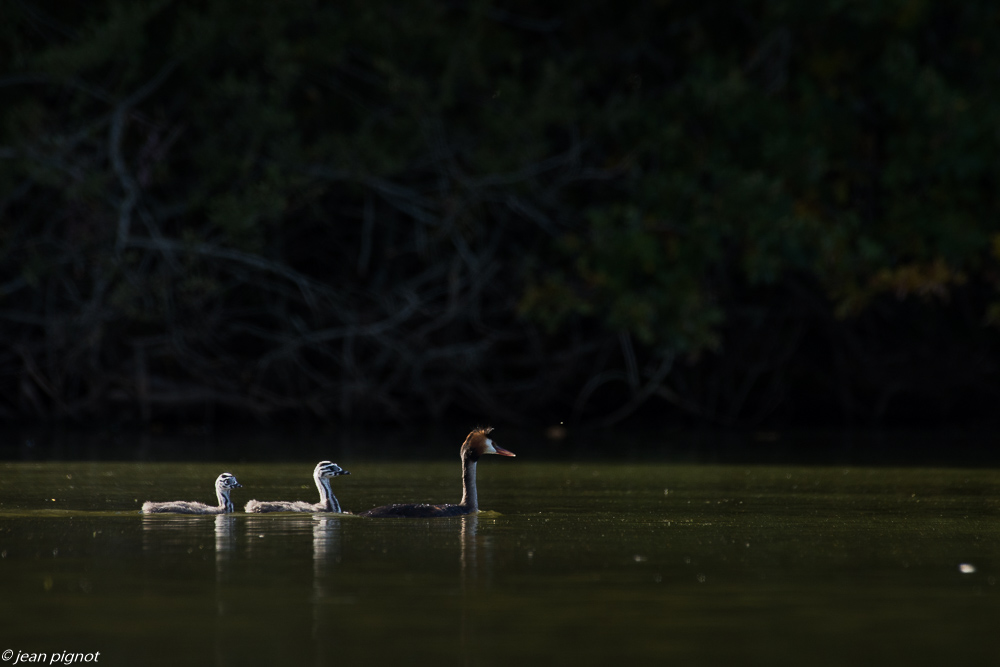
(477, 443)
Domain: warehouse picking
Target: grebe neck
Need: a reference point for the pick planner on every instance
(326, 497)
(469, 497)
(225, 503)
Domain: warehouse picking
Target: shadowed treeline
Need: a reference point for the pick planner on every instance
(752, 212)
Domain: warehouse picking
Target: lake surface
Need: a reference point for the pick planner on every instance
(574, 563)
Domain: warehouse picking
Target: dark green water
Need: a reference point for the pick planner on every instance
(587, 564)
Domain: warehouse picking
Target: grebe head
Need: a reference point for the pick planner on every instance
(327, 469)
(227, 481)
(478, 443)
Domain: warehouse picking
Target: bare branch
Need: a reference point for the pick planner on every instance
(116, 133)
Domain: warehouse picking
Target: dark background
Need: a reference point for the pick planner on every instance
(751, 214)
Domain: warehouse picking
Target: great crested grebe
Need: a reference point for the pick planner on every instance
(327, 501)
(476, 444)
(223, 484)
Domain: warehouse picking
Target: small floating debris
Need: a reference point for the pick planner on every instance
(966, 568)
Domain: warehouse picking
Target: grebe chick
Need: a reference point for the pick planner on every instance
(223, 484)
(476, 444)
(327, 501)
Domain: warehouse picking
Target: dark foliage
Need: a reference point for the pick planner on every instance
(751, 212)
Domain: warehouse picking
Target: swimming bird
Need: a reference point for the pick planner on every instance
(327, 501)
(223, 484)
(476, 444)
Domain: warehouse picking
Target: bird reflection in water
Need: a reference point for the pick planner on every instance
(326, 554)
(225, 542)
(468, 562)
(467, 549)
(326, 542)
(165, 534)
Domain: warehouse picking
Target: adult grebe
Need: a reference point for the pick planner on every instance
(476, 444)
(223, 484)
(327, 501)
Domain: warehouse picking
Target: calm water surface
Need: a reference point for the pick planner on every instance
(588, 564)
